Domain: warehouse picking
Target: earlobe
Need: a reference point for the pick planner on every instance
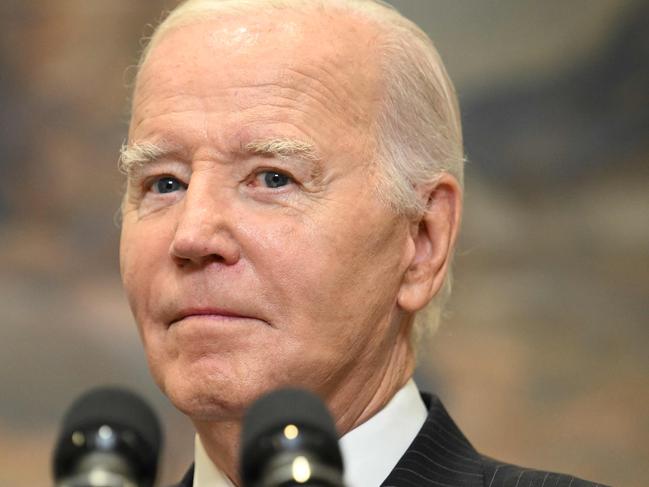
(433, 237)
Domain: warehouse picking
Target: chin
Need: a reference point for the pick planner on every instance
(210, 395)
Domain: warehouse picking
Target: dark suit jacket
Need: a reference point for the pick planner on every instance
(440, 456)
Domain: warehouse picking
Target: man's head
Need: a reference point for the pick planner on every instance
(293, 200)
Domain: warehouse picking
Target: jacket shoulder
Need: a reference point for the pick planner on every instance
(442, 455)
(498, 474)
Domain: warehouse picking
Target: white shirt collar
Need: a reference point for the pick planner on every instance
(206, 474)
(370, 451)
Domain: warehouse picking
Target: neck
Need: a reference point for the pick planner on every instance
(358, 397)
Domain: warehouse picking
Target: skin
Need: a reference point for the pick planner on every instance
(323, 279)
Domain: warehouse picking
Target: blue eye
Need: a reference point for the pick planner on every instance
(167, 184)
(275, 179)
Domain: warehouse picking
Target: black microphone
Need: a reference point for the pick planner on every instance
(110, 438)
(290, 439)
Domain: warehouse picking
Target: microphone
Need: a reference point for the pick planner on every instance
(290, 439)
(110, 438)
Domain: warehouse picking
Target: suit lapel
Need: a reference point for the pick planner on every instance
(439, 456)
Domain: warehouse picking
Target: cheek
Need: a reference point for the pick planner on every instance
(142, 251)
(333, 271)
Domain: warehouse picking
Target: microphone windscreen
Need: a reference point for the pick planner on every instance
(289, 438)
(286, 406)
(109, 420)
(114, 405)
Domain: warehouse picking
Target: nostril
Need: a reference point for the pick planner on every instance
(183, 261)
(180, 261)
(216, 258)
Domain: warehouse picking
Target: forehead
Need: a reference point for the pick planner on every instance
(327, 59)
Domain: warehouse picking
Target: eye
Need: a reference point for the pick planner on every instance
(274, 179)
(166, 184)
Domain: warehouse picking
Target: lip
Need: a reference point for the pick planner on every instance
(207, 312)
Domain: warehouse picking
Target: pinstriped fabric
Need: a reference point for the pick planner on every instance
(511, 476)
(441, 456)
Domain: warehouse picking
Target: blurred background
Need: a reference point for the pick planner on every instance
(542, 359)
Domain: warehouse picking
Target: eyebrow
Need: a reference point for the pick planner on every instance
(283, 148)
(134, 156)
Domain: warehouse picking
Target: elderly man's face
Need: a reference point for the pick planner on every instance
(250, 259)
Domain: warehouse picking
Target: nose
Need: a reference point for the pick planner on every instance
(204, 231)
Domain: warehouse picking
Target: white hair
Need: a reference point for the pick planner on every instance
(418, 129)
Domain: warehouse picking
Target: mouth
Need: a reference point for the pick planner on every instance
(208, 313)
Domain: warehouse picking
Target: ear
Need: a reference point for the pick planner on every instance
(433, 238)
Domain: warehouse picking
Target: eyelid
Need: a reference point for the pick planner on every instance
(151, 169)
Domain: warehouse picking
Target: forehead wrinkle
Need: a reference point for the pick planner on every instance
(340, 93)
(344, 70)
(303, 96)
(148, 105)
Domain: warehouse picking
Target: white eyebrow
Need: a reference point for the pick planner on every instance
(134, 156)
(283, 148)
